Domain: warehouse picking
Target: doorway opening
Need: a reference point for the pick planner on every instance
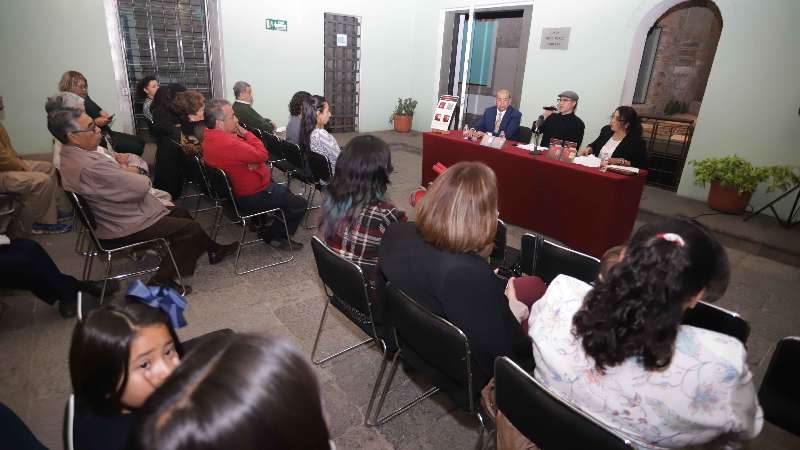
(342, 69)
(483, 51)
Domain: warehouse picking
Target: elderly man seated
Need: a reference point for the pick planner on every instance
(124, 209)
(242, 156)
(34, 181)
(243, 108)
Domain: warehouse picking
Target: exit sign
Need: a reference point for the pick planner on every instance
(277, 25)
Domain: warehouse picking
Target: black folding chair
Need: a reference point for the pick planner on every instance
(779, 394)
(523, 135)
(712, 317)
(321, 176)
(96, 247)
(222, 192)
(433, 347)
(275, 149)
(546, 420)
(547, 260)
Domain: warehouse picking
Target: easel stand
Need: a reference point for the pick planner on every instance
(790, 218)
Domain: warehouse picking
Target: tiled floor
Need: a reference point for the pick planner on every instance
(34, 340)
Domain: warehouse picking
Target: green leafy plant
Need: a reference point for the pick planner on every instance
(736, 172)
(675, 107)
(405, 107)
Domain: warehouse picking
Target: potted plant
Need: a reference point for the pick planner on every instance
(734, 179)
(403, 114)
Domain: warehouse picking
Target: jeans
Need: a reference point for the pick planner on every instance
(276, 196)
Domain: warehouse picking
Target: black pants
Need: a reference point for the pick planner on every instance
(16, 434)
(24, 264)
(127, 143)
(170, 170)
(276, 196)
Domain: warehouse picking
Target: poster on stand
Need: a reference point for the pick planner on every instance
(443, 113)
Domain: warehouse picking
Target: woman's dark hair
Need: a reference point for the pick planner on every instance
(237, 391)
(312, 106)
(636, 310)
(362, 174)
(628, 116)
(100, 350)
(165, 98)
(140, 93)
(296, 103)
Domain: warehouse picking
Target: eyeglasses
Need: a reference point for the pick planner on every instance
(500, 99)
(92, 129)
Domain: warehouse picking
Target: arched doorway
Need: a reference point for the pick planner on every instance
(667, 83)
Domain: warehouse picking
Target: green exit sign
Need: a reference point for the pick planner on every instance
(277, 25)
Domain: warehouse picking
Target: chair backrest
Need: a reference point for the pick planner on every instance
(529, 244)
(320, 167)
(346, 282)
(500, 241)
(201, 169)
(543, 418)
(779, 394)
(255, 131)
(523, 135)
(714, 318)
(220, 187)
(294, 154)
(553, 259)
(432, 345)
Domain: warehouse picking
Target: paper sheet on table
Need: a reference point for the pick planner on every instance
(588, 161)
(626, 169)
(280, 129)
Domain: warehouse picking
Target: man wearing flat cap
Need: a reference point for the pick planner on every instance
(563, 125)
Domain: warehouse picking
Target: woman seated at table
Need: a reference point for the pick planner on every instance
(621, 140)
(619, 352)
(441, 262)
(356, 212)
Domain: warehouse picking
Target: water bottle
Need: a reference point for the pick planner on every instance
(501, 139)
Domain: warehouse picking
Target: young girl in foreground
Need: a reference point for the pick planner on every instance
(118, 357)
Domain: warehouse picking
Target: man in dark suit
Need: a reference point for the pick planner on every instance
(502, 117)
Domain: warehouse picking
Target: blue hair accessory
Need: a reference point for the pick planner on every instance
(166, 299)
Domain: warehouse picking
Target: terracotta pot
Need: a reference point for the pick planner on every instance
(402, 124)
(727, 199)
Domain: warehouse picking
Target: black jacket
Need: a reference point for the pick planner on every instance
(567, 127)
(630, 148)
(461, 288)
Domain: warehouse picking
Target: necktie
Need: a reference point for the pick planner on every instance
(497, 121)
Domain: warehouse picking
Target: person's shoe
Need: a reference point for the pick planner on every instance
(51, 228)
(186, 290)
(68, 309)
(95, 288)
(223, 252)
(283, 244)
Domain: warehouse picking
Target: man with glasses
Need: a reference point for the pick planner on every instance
(124, 209)
(564, 125)
(500, 118)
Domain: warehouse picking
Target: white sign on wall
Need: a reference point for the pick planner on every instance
(341, 40)
(555, 38)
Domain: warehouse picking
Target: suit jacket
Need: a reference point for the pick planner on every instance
(459, 287)
(246, 114)
(509, 124)
(120, 200)
(630, 148)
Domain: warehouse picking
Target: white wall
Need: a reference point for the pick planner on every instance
(277, 64)
(40, 40)
(752, 98)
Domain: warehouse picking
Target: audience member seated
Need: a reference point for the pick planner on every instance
(356, 212)
(313, 136)
(35, 182)
(26, 265)
(442, 262)
(124, 209)
(167, 122)
(621, 141)
(618, 351)
(243, 157)
(75, 82)
(295, 116)
(241, 392)
(500, 118)
(146, 90)
(243, 108)
(119, 355)
(564, 125)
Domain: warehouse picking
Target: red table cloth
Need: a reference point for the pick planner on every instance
(586, 209)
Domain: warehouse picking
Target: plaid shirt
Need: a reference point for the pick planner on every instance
(359, 240)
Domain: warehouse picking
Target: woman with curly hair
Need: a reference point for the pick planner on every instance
(619, 352)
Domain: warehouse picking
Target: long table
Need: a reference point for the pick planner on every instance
(586, 209)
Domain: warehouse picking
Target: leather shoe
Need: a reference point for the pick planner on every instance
(283, 244)
(186, 290)
(222, 252)
(95, 288)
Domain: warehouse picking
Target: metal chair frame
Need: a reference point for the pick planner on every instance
(96, 249)
(330, 294)
(220, 199)
(473, 405)
(318, 183)
(268, 138)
